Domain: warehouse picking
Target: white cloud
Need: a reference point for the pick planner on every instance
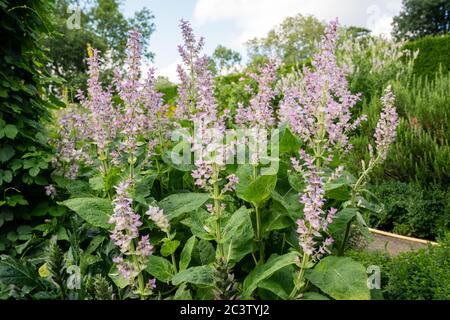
(254, 18)
(170, 71)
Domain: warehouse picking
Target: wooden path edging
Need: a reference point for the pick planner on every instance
(397, 236)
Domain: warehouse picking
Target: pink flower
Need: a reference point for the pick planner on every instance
(386, 129)
(319, 109)
(159, 218)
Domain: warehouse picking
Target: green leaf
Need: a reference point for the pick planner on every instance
(238, 235)
(96, 211)
(264, 271)
(314, 296)
(97, 183)
(289, 143)
(296, 181)
(117, 277)
(255, 191)
(10, 131)
(186, 254)
(16, 199)
(203, 253)
(18, 272)
(200, 276)
(160, 268)
(34, 171)
(6, 153)
(281, 283)
(6, 176)
(169, 247)
(284, 211)
(341, 278)
(182, 293)
(339, 189)
(24, 232)
(198, 223)
(94, 244)
(340, 221)
(143, 188)
(177, 204)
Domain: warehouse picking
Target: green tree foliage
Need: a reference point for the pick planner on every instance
(293, 40)
(24, 150)
(102, 26)
(225, 60)
(420, 18)
(434, 55)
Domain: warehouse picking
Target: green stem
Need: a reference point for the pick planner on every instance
(131, 166)
(355, 190)
(141, 284)
(217, 211)
(301, 275)
(259, 239)
(174, 263)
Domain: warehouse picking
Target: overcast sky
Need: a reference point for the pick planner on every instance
(232, 22)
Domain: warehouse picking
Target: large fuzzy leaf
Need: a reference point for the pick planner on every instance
(200, 276)
(255, 191)
(238, 235)
(177, 204)
(160, 268)
(18, 272)
(264, 271)
(341, 278)
(96, 211)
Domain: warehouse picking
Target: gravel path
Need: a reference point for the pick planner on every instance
(393, 246)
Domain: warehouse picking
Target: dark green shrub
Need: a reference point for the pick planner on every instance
(421, 275)
(415, 275)
(421, 152)
(24, 151)
(434, 53)
(411, 210)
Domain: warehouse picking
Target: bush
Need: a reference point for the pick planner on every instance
(422, 149)
(24, 151)
(434, 53)
(411, 210)
(420, 275)
(414, 275)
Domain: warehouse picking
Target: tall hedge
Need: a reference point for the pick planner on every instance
(434, 52)
(24, 152)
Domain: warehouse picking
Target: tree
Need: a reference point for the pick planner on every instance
(225, 60)
(102, 26)
(420, 18)
(293, 40)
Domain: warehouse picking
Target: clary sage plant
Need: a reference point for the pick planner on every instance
(260, 205)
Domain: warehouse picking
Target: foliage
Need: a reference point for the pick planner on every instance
(102, 26)
(134, 222)
(421, 18)
(204, 229)
(422, 147)
(374, 62)
(225, 60)
(414, 275)
(293, 40)
(421, 275)
(411, 210)
(25, 155)
(433, 57)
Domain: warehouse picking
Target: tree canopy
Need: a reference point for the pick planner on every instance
(420, 18)
(102, 26)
